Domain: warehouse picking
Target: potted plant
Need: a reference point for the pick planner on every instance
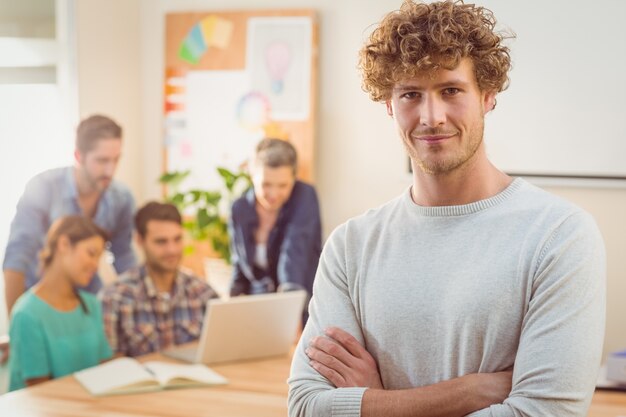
(205, 218)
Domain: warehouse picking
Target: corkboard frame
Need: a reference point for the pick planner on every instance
(301, 133)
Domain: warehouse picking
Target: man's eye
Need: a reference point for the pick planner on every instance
(410, 95)
(450, 91)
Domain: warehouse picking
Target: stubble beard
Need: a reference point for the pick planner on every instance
(94, 183)
(161, 267)
(443, 166)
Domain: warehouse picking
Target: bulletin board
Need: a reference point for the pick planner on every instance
(232, 78)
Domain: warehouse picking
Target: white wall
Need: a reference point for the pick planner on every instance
(360, 161)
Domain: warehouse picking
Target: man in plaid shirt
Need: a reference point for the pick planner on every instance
(156, 305)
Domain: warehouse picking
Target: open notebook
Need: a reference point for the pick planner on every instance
(129, 376)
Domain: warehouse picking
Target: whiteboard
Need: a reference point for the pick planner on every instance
(564, 113)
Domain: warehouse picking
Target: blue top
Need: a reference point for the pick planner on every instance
(53, 194)
(293, 247)
(49, 342)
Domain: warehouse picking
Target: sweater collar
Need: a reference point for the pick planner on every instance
(464, 209)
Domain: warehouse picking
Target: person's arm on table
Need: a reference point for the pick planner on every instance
(35, 381)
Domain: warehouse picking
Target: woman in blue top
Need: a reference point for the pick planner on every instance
(55, 328)
(275, 227)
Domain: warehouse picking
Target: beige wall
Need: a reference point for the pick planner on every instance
(108, 60)
(608, 207)
(360, 162)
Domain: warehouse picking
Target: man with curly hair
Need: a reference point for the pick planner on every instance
(473, 292)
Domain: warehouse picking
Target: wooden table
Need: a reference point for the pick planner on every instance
(608, 404)
(255, 389)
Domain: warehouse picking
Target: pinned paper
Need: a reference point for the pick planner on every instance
(212, 31)
(222, 33)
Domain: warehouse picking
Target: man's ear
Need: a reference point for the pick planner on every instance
(489, 102)
(78, 156)
(138, 239)
(389, 108)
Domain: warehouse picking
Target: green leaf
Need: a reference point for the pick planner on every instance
(195, 195)
(206, 224)
(229, 178)
(203, 218)
(221, 245)
(174, 177)
(178, 199)
(212, 198)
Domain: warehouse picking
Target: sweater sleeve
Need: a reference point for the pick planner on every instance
(310, 394)
(560, 347)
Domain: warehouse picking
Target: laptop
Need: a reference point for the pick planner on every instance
(245, 327)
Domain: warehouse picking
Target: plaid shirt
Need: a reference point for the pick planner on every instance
(139, 320)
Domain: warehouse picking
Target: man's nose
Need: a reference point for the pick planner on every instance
(173, 248)
(432, 111)
(270, 194)
(109, 168)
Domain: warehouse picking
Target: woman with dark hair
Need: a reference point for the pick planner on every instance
(55, 328)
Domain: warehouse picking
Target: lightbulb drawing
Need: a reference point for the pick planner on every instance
(278, 60)
(253, 111)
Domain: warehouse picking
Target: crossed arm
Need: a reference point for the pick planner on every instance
(567, 297)
(343, 361)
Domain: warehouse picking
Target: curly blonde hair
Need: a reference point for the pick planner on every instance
(424, 37)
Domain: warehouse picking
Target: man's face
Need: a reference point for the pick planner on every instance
(440, 118)
(162, 245)
(98, 165)
(272, 186)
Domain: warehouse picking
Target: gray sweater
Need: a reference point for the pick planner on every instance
(434, 293)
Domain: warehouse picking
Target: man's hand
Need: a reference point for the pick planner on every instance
(491, 388)
(342, 360)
